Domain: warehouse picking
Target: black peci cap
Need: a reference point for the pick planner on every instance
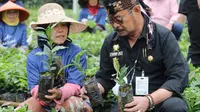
(114, 6)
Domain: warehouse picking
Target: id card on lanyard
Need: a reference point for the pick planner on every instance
(142, 85)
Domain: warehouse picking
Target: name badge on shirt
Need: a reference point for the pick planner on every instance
(142, 86)
(116, 54)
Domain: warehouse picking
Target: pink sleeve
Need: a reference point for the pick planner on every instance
(34, 92)
(174, 11)
(69, 89)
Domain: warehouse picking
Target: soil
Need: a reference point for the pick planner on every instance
(45, 83)
(93, 93)
(125, 96)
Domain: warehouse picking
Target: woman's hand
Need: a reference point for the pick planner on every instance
(83, 93)
(55, 94)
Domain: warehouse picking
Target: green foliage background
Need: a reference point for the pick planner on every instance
(192, 92)
(13, 62)
(13, 71)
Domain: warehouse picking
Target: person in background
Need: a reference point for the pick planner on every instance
(92, 11)
(157, 70)
(165, 12)
(13, 32)
(18, 2)
(191, 8)
(66, 96)
(182, 19)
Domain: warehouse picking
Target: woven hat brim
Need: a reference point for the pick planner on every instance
(23, 13)
(75, 26)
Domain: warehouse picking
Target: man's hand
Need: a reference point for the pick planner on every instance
(139, 104)
(83, 90)
(55, 94)
(101, 88)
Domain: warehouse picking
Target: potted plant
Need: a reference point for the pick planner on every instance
(90, 84)
(94, 94)
(49, 78)
(125, 92)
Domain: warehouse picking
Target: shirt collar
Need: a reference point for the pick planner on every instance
(145, 27)
(144, 30)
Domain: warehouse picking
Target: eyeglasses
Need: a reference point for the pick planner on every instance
(118, 20)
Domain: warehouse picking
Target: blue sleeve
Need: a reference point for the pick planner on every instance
(81, 15)
(74, 75)
(103, 16)
(19, 3)
(32, 71)
(24, 37)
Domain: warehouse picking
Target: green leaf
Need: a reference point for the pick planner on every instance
(78, 56)
(116, 65)
(47, 50)
(75, 62)
(24, 108)
(40, 53)
(52, 68)
(64, 68)
(58, 48)
(91, 24)
(53, 110)
(123, 72)
(197, 103)
(48, 32)
(41, 32)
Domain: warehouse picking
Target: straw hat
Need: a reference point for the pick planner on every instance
(53, 13)
(23, 13)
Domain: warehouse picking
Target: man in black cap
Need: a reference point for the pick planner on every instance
(152, 54)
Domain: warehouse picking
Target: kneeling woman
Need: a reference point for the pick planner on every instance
(13, 33)
(67, 95)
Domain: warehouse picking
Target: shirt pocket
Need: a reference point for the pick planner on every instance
(154, 66)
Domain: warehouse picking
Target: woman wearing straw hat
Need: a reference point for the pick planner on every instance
(13, 32)
(66, 96)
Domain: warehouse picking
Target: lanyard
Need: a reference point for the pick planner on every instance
(133, 68)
